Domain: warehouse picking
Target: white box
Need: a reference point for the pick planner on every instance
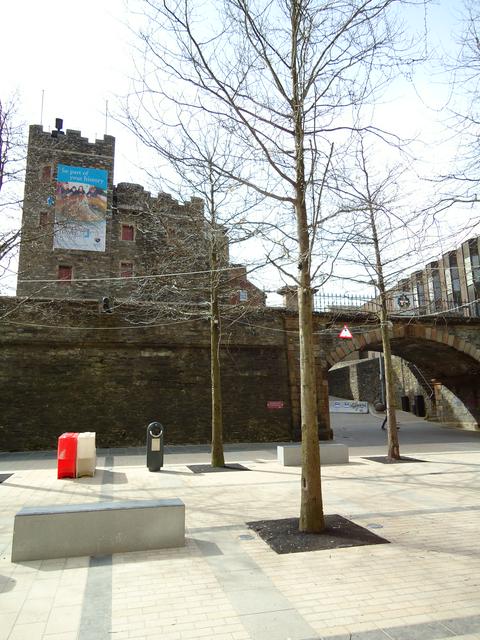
(86, 454)
(290, 455)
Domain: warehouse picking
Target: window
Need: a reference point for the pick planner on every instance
(436, 286)
(243, 295)
(421, 293)
(455, 279)
(128, 232)
(46, 173)
(43, 219)
(126, 269)
(472, 270)
(475, 262)
(64, 273)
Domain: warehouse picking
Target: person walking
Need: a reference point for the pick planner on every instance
(385, 422)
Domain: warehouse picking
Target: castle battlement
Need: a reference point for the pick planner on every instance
(71, 139)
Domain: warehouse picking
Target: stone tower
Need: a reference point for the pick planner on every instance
(85, 238)
(67, 214)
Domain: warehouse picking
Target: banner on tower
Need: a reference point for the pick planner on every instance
(80, 208)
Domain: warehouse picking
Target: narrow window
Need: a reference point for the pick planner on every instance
(455, 279)
(46, 173)
(420, 293)
(64, 273)
(43, 219)
(436, 286)
(128, 232)
(243, 295)
(126, 269)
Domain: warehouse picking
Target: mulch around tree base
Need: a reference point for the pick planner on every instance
(5, 476)
(207, 468)
(387, 460)
(283, 535)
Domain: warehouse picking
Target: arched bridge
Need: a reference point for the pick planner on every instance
(446, 350)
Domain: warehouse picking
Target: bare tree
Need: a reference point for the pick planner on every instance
(459, 186)
(201, 158)
(12, 154)
(284, 78)
(382, 231)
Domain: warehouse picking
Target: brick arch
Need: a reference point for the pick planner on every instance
(431, 334)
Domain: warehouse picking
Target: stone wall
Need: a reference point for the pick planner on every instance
(145, 235)
(65, 365)
(38, 261)
(117, 376)
(361, 381)
(454, 412)
(355, 381)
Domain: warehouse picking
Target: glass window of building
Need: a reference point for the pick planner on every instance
(475, 261)
(455, 278)
(128, 232)
(475, 275)
(65, 273)
(126, 269)
(436, 286)
(420, 293)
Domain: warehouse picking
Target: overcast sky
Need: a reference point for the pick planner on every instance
(81, 55)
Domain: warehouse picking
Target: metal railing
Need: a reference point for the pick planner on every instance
(338, 303)
(348, 303)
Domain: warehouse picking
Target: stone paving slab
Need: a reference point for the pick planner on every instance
(227, 584)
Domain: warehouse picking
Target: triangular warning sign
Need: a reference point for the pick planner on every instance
(345, 333)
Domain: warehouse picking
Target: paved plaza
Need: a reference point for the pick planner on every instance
(226, 583)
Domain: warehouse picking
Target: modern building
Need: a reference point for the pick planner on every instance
(450, 284)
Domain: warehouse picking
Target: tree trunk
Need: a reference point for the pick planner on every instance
(311, 506)
(311, 509)
(393, 444)
(217, 459)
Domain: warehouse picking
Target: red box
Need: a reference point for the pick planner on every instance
(67, 455)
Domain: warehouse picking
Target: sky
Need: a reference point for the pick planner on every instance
(76, 57)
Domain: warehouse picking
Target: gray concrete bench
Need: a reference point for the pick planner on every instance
(99, 528)
(290, 455)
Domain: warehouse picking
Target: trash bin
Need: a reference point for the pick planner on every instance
(419, 406)
(405, 400)
(154, 446)
(67, 455)
(86, 454)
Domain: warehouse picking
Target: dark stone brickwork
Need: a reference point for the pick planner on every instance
(115, 382)
(361, 381)
(38, 260)
(64, 366)
(445, 350)
(167, 237)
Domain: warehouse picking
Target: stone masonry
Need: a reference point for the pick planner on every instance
(145, 236)
(65, 366)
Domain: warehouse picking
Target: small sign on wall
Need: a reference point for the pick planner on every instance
(348, 406)
(275, 404)
(345, 333)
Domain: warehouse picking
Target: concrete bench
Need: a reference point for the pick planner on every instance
(290, 455)
(99, 528)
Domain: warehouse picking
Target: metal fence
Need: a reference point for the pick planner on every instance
(403, 304)
(338, 303)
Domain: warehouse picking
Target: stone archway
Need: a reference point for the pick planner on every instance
(399, 332)
(452, 363)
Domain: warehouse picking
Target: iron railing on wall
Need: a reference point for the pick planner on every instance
(332, 302)
(348, 303)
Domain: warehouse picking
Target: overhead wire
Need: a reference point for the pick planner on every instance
(128, 278)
